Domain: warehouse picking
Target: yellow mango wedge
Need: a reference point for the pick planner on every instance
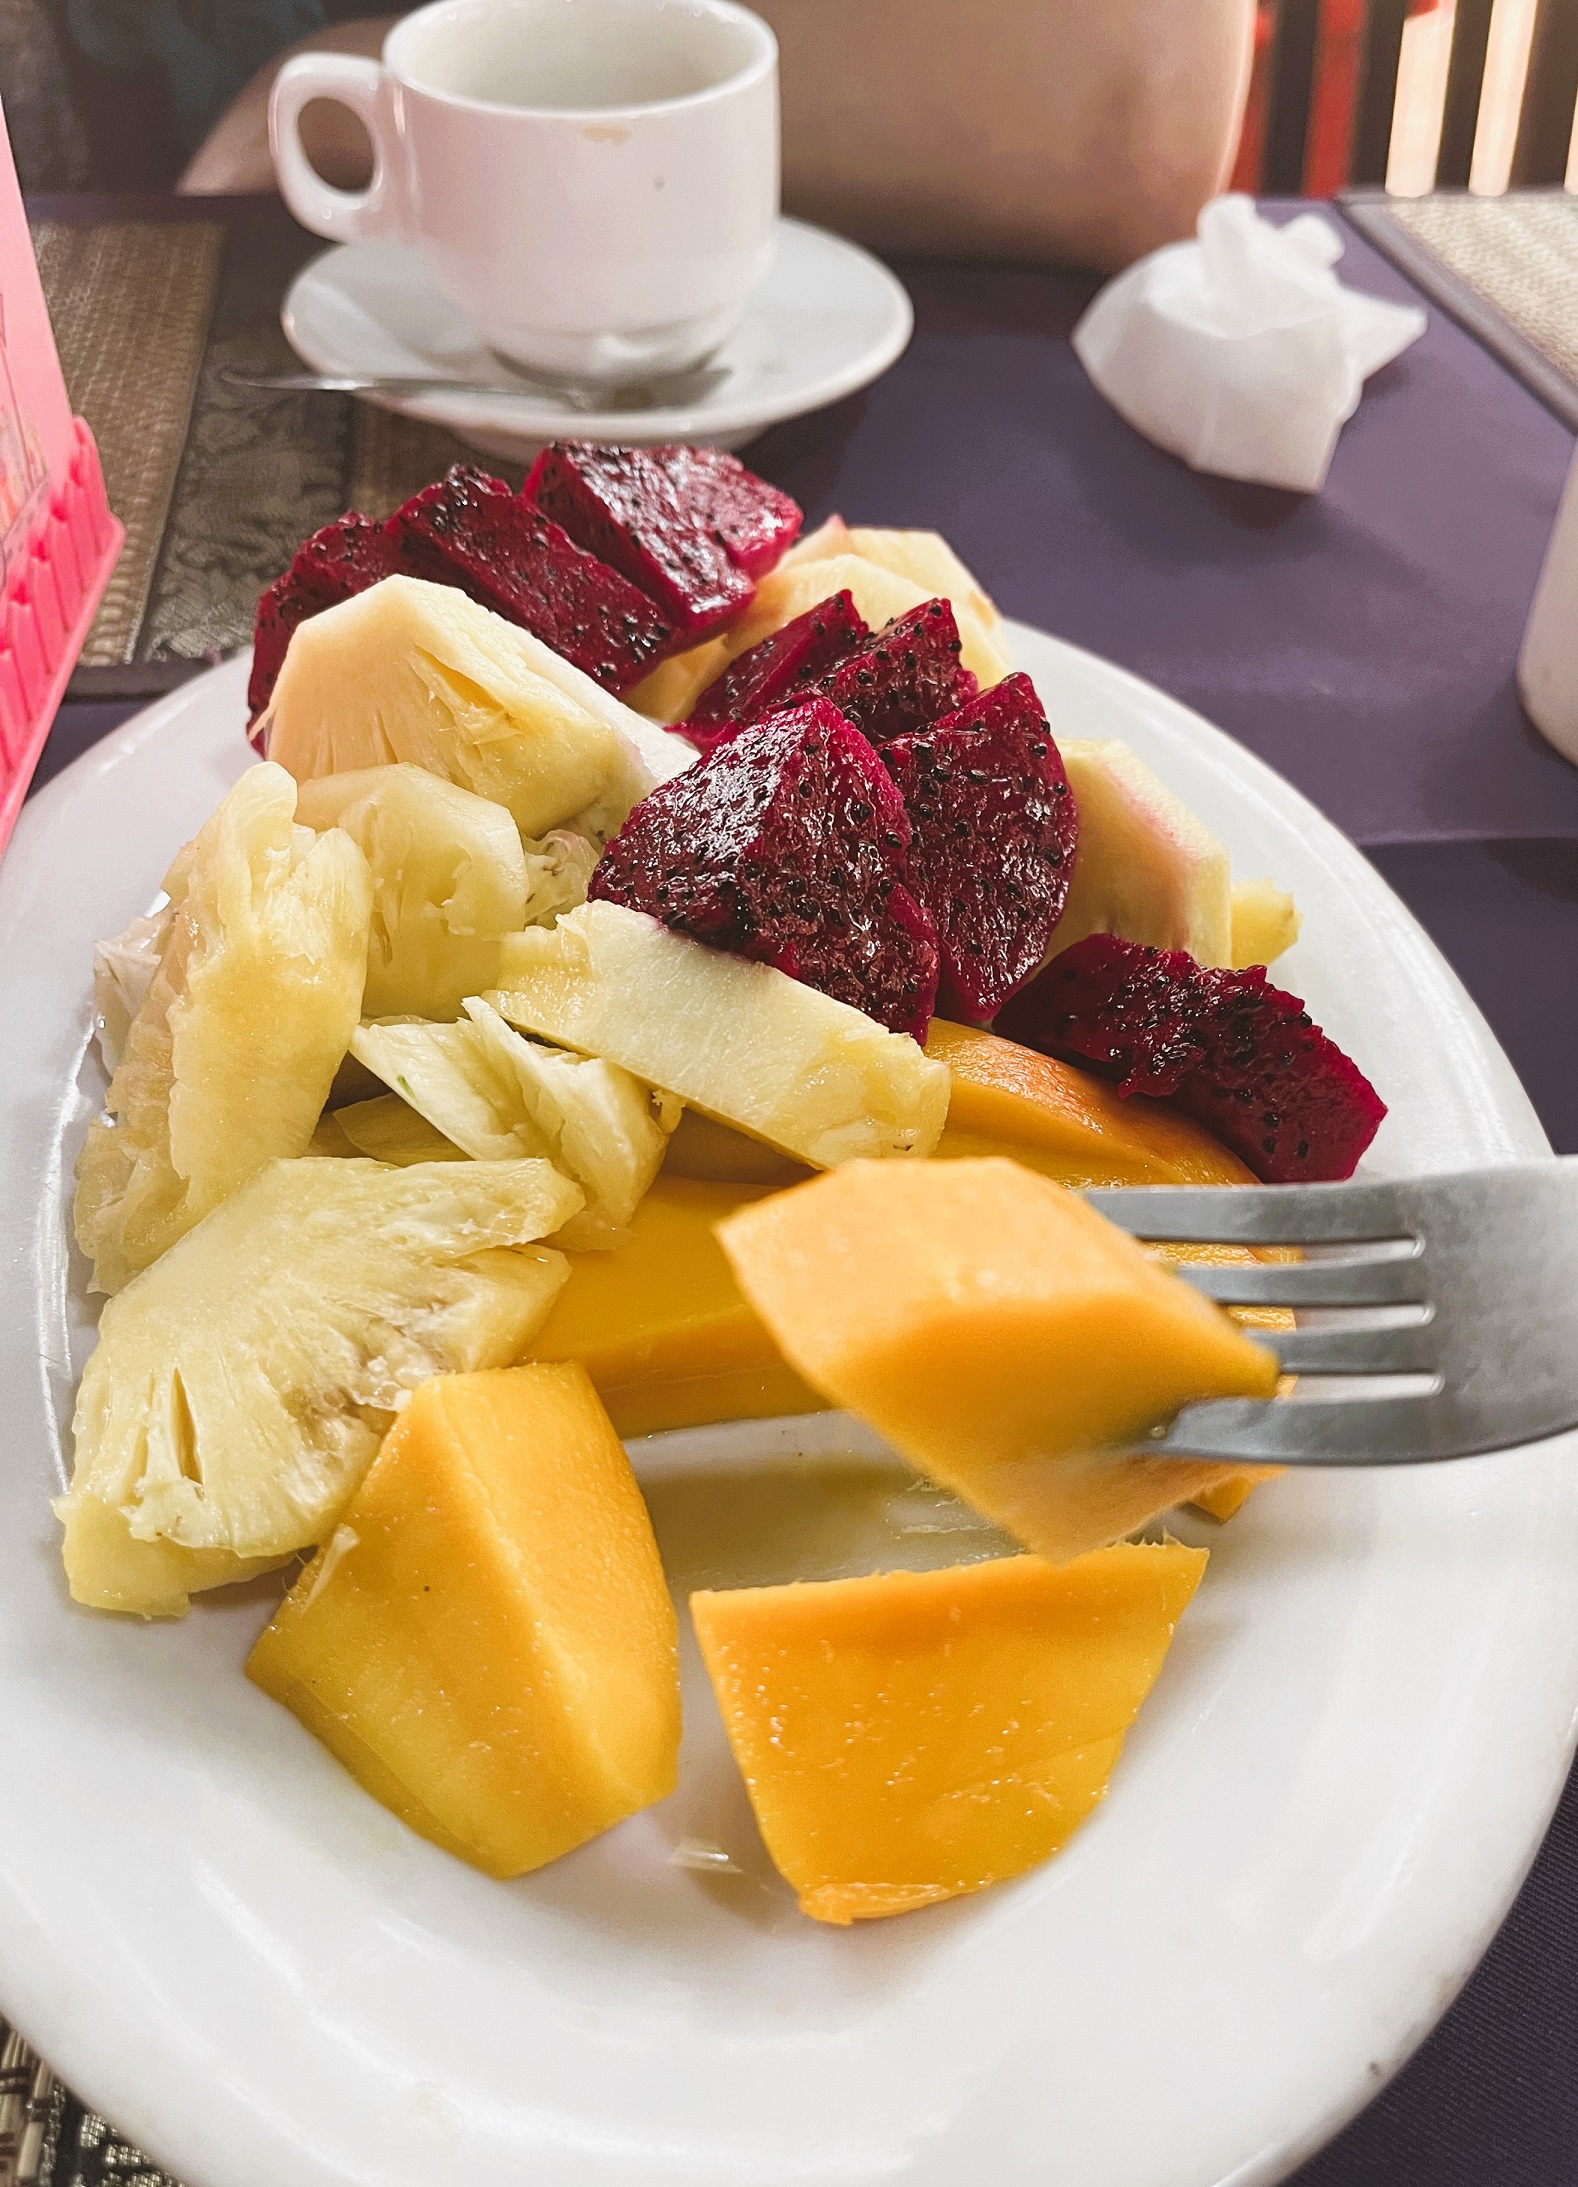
(917, 1735)
(1073, 1128)
(698, 1147)
(660, 1326)
(1014, 1345)
(486, 1641)
(1068, 1124)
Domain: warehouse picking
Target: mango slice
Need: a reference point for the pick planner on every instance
(917, 1735)
(1066, 1123)
(1073, 1128)
(698, 1147)
(660, 1326)
(1009, 1341)
(1230, 1496)
(486, 1641)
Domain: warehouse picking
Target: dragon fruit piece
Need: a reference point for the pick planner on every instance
(992, 851)
(621, 505)
(344, 557)
(786, 844)
(1130, 1012)
(777, 668)
(1242, 1056)
(905, 679)
(1278, 1090)
(754, 521)
(470, 530)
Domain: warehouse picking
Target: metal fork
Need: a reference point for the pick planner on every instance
(1478, 1272)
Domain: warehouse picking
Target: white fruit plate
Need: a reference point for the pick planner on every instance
(1320, 1817)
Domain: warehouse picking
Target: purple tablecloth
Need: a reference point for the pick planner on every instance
(1362, 642)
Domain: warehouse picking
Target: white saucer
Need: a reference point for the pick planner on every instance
(827, 319)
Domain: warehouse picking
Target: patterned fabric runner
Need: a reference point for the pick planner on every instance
(47, 2139)
(130, 303)
(216, 487)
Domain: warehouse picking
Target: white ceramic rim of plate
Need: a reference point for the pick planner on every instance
(220, 2130)
(530, 420)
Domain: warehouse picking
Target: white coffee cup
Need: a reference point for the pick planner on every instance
(593, 183)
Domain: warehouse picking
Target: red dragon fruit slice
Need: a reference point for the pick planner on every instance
(621, 505)
(754, 521)
(344, 557)
(906, 678)
(1241, 1056)
(775, 670)
(992, 851)
(470, 530)
(1132, 1013)
(786, 845)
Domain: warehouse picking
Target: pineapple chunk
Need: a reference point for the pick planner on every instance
(879, 593)
(558, 874)
(487, 1643)
(413, 671)
(745, 1044)
(928, 561)
(924, 557)
(902, 569)
(499, 1097)
(330, 1138)
(230, 1058)
(123, 972)
(449, 878)
(832, 536)
(387, 1130)
(1146, 869)
(1265, 922)
(674, 686)
(240, 1389)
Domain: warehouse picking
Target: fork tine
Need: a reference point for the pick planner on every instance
(1399, 1282)
(1408, 1350)
(1271, 1215)
(1321, 1432)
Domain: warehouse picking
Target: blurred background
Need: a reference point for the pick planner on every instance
(1412, 95)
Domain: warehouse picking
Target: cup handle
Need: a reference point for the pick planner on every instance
(344, 216)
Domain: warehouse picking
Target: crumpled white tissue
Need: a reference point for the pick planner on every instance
(1241, 351)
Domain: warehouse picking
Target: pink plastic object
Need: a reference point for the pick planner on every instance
(58, 540)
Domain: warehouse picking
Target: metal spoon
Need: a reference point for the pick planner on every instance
(682, 389)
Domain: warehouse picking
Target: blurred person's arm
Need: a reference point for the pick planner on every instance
(1081, 130)
(234, 156)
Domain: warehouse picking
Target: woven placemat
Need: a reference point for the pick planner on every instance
(1505, 267)
(48, 2139)
(130, 303)
(216, 486)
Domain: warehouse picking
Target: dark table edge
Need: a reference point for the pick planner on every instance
(1369, 212)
